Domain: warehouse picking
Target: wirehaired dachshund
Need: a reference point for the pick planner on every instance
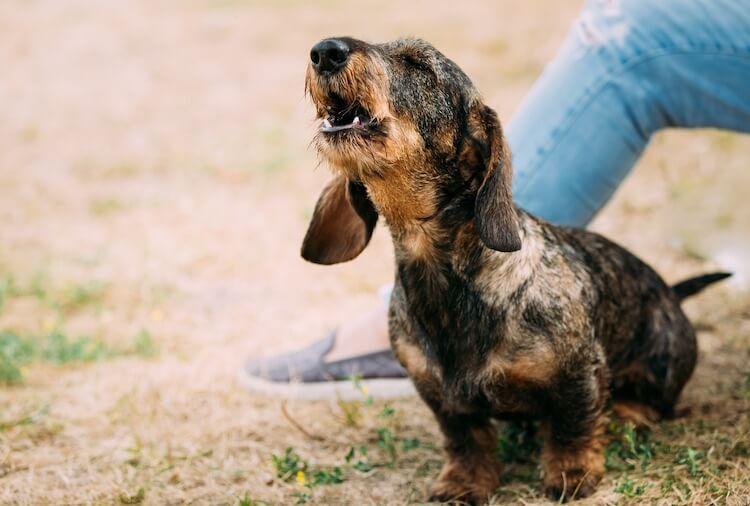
(495, 314)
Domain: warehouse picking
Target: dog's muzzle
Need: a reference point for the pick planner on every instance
(327, 58)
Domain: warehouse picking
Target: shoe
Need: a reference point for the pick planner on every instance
(304, 374)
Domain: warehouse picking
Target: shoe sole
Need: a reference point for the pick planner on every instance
(380, 388)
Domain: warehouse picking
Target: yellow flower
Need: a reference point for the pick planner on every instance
(301, 478)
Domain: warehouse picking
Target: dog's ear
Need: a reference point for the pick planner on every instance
(342, 223)
(495, 215)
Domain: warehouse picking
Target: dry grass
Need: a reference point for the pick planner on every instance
(156, 151)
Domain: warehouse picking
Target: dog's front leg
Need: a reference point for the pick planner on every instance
(471, 472)
(573, 454)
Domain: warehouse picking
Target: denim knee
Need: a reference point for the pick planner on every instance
(611, 34)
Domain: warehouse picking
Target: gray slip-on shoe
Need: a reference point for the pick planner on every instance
(304, 374)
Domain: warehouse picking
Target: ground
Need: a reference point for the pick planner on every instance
(156, 180)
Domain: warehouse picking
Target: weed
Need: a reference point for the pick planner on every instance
(8, 289)
(37, 287)
(630, 488)
(357, 381)
(689, 457)
(387, 412)
(144, 345)
(15, 352)
(302, 497)
(387, 442)
(288, 464)
(629, 448)
(246, 500)
(136, 498)
(667, 485)
(327, 477)
(74, 296)
(350, 410)
(741, 449)
(61, 349)
(363, 465)
(63, 299)
(410, 444)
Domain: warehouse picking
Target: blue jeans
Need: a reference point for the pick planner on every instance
(627, 69)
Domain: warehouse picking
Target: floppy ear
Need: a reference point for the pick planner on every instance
(342, 223)
(495, 214)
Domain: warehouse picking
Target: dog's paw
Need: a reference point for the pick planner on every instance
(573, 474)
(451, 491)
(572, 485)
(472, 484)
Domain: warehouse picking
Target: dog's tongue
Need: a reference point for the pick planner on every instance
(356, 123)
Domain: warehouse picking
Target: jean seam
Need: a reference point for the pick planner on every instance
(610, 78)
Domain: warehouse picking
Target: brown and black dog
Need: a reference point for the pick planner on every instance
(495, 314)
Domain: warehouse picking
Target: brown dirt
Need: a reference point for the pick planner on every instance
(161, 148)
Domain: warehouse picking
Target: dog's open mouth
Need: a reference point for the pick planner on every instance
(342, 117)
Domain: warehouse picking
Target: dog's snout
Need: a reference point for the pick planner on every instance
(329, 55)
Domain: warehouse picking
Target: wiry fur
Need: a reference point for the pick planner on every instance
(494, 313)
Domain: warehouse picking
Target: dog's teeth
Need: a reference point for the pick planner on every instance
(356, 121)
(326, 124)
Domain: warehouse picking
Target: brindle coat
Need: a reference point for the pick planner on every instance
(494, 313)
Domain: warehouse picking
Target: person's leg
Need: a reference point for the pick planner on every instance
(627, 69)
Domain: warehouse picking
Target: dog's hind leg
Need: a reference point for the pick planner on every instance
(640, 415)
(648, 388)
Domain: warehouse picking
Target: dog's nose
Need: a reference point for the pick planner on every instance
(329, 55)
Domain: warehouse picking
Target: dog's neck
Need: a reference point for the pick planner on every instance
(426, 226)
(401, 200)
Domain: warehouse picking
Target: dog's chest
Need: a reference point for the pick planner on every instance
(461, 350)
(498, 385)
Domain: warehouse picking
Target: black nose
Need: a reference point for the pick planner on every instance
(329, 55)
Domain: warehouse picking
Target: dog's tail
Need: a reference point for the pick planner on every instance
(685, 289)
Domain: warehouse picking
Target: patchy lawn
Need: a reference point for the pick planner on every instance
(155, 183)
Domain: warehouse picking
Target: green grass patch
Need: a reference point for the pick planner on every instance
(691, 459)
(18, 350)
(144, 345)
(288, 464)
(246, 500)
(64, 299)
(383, 449)
(630, 488)
(135, 498)
(517, 442)
(629, 449)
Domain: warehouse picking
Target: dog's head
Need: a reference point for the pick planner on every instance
(403, 127)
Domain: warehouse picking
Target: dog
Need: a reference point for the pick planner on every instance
(495, 314)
